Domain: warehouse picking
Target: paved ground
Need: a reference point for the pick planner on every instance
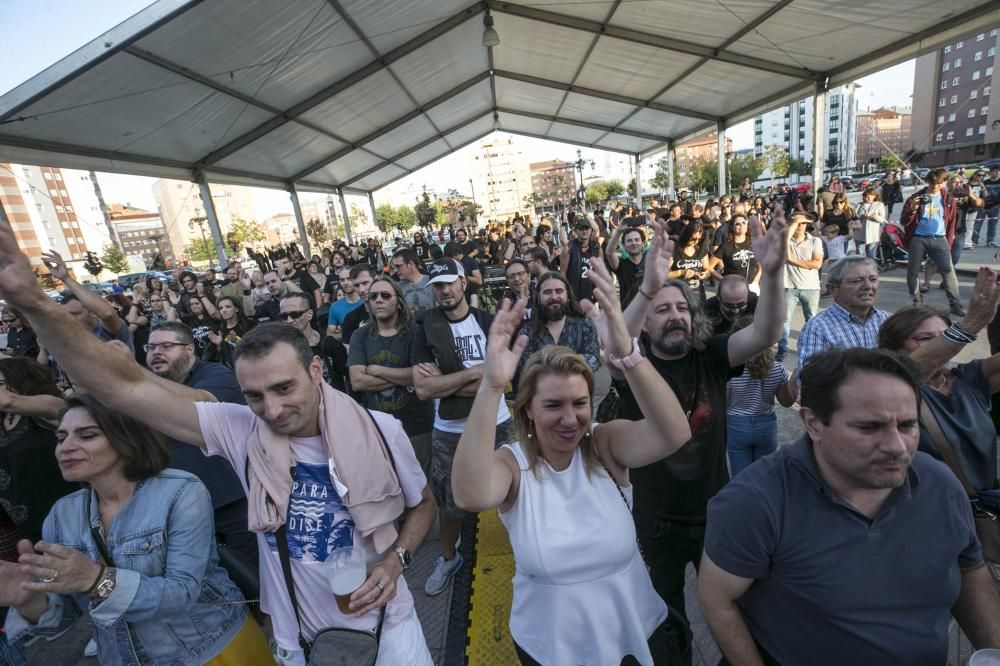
(437, 613)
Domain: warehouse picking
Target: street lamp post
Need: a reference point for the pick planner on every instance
(474, 204)
(579, 164)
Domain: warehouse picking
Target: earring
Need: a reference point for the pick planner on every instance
(531, 426)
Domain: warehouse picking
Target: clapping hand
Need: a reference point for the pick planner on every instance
(983, 302)
(13, 580)
(659, 259)
(502, 357)
(18, 283)
(770, 247)
(61, 569)
(56, 265)
(608, 319)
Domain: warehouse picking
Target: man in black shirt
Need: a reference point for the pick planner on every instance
(732, 302)
(421, 247)
(170, 356)
(577, 254)
(21, 340)
(362, 276)
(671, 496)
(629, 269)
(469, 248)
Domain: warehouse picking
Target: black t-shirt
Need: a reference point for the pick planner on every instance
(416, 415)
(683, 261)
(679, 486)
(423, 250)
(675, 227)
(991, 192)
(355, 319)
(839, 219)
(468, 247)
(628, 273)
(214, 471)
(738, 259)
(23, 342)
(579, 268)
(200, 328)
(720, 324)
(469, 264)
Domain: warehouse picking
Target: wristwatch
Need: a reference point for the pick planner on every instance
(629, 361)
(404, 557)
(105, 586)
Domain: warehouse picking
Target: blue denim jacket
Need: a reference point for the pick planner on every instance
(164, 608)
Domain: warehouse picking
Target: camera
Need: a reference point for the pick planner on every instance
(923, 199)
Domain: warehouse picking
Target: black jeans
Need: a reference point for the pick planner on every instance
(667, 547)
(670, 645)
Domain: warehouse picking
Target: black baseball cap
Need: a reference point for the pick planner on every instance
(445, 269)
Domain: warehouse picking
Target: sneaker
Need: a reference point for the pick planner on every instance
(780, 355)
(958, 310)
(924, 288)
(444, 569)
(91, 649)
(918, 300)
(968, 246)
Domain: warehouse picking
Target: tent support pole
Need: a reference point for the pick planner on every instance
(213, 220)
(671, 159)
(638, 181)
(819, 137)
(347, 218)
(723, 184)
(297, 209)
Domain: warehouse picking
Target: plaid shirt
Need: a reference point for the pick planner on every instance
(836, 328)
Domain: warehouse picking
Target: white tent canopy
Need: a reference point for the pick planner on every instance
(350, 95)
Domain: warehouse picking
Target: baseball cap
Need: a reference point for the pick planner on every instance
(582, 224)
(445, 270)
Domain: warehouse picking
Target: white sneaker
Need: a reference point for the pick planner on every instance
(91, 649)
(968, 246)
(444, 569)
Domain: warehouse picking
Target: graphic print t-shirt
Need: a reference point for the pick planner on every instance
(317, 522)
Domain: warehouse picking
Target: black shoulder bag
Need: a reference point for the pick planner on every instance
(334, 646)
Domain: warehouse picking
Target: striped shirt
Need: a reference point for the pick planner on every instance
(755, 397)
(836, 328)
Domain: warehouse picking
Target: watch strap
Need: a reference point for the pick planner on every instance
(629, 361)
(402, 554)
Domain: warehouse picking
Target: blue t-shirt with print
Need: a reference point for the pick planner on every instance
(341, 309)
(318, 522)
(932, 220)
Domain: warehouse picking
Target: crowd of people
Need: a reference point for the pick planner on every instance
(190, 465)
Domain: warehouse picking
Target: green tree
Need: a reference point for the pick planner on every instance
(799, 167)
(532, 200)
(703, 175)
(115, 259)
(775, 159)
(93, 264)
(471, 210)
(889, 162)
(661, 179)
(318, 232)
(613, 188)
(425, 211)
(391, 218)
(440, 211)
(358, 217)
(745, 165)
(243, 233)
(201, 249)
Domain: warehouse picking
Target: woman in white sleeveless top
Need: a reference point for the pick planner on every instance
(582, 595)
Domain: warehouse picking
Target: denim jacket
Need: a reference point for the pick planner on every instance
(164, 608)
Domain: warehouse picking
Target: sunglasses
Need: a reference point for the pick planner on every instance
(384, 295)
(293, 315)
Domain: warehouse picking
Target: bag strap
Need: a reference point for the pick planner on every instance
(621, 492)
(944, 447)
(281, 536)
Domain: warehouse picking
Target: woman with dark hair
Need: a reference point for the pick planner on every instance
(232, 328)
(313, 282)
(139, 555)
(581, 591)
(200, 323)
(30, 482)
(746, 189)
(736, 253)
(543, 237)
(692, 261)
(840, 214)
(871, 217)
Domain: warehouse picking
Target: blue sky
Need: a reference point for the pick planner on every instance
(37, 33)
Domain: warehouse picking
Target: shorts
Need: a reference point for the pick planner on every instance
(422, 449)
(443, 446)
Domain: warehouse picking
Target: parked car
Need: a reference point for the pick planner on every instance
(129, 281)
(802, 188)
(102, 288)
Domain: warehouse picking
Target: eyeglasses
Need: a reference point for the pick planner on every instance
(293, 315)
(163, 346)
(921, 339)
(516, 274)
(732, 306)
(384, 295)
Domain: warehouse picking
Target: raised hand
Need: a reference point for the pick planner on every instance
(502, 357)
(659, 259)
(770, 247)
(983, 302)
(608, 319)
(13, 580)
(56, 265)
(245, 280)
(61, 569)
(18, 284)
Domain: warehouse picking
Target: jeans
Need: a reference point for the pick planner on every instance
(990, 215)
(939, 254)
(956, 249)
(667, 547)
(750, 438)
(808, 299)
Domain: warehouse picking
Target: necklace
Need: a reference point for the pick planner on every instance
(942, 376)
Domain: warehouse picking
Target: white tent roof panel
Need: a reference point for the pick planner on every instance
(592, 109)
(435, 68)
(265, 93)
(285, 151)
(627, 68)
(361, 109)
(550, 53)
(464, 105)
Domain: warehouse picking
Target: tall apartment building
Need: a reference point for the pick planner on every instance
(956, 118)
(180, 203)
(554, 181)
(12, 197)
(501, 178)
(142, 233)
(791, 127)
(882, 132)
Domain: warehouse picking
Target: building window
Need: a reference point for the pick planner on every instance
(973, 94)
(985, 111)
(58, 176)
(981, 36)
(944, 85)
(940, 120)
(990, 52)
(957, 63)
(993, 32)
(951, 117)
(989, 71)
(978, 56)
(955, 80)
(951, 135)
(945, 67)
(954, 99)
(959, 45)
(972, 113)
(986, 91)
(947, 49)
(975, 75)
(938, 136)
(941, 102)
(968, 132)
(982, 129)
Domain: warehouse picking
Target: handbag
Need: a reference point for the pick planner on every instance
(241, 572)
(987, 518)
(335, 646)
(610, 406)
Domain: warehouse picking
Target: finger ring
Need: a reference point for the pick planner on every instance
(54, 576)
(381, 587)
